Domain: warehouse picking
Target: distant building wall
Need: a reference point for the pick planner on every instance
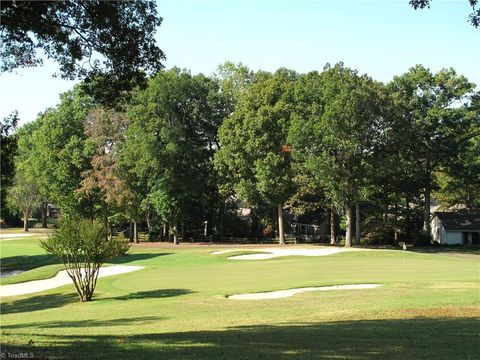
(454, 237)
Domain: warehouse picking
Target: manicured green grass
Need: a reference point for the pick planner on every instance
(27, 255)
(176, 308)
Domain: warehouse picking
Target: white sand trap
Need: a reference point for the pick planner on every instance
(58, 280)
(288, 293)
(5, 237)
(225, 251)
(270, 253)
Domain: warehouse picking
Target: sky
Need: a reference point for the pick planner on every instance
(380, 38)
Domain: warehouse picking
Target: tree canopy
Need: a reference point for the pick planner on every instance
(8, 150)
(474, 16)
(334, 130)
(254, 154)
(189, 151)
(53, 151)
(109, 44)
(170, 143)
(433, 112)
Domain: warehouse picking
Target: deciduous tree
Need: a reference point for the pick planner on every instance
(52, 151)
(8, 150)
(334, 133)
(432, 111)
(109, 44)
(23, 196)
(169, 144)
(474, 16)
(82, 247)
(254, 158)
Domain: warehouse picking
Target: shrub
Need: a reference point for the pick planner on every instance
(423, 239)
(82, 247)
(378, 236)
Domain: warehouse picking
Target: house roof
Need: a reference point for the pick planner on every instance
(459, 221)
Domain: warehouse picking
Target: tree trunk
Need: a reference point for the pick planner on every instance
(407, 219)
(149, 227)
(349, 234)
(333, 226)
(175, 236)
(130, 231)
(281, 234)
(426, 211)
(25, 221)
(183, 232)
(105, 219)
(160, 234)
(44, 214)
(385, 216)
(209, 227)
(220, 220)
(135, 232)
(395, 227)
(357, 224)
(164, 232)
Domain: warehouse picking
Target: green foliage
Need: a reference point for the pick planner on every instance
(233, 80)
(23, 197)
(474, 16)
(170, 143)
(334, 130)
(82, 247)
(431, 111)
(254, 158)
(8, 149)
(116, 39)
(459, 179)
(53, 152)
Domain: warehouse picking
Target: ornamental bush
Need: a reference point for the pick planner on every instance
(83, 248)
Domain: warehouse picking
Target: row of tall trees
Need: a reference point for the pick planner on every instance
(181, 152)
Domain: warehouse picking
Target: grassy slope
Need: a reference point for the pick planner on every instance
(175, 309)
(27, 255)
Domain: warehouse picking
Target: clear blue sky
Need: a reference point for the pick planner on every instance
(381, 38)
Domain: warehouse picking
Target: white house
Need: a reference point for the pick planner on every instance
(456, 228)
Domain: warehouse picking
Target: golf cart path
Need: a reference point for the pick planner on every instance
(269, 253)
(290, 292)
(58, 280)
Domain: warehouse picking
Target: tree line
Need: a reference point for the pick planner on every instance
(182, 153)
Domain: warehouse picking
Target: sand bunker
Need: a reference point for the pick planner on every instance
(58, 280)
(287, 293)
(5, 237)
(270, 253)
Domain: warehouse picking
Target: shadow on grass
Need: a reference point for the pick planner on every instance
(139, 320)
(27, 262)
(161, 293)
(42, 302)
(444, 338)
(457, 251)
(136, 257)
(39, 302)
